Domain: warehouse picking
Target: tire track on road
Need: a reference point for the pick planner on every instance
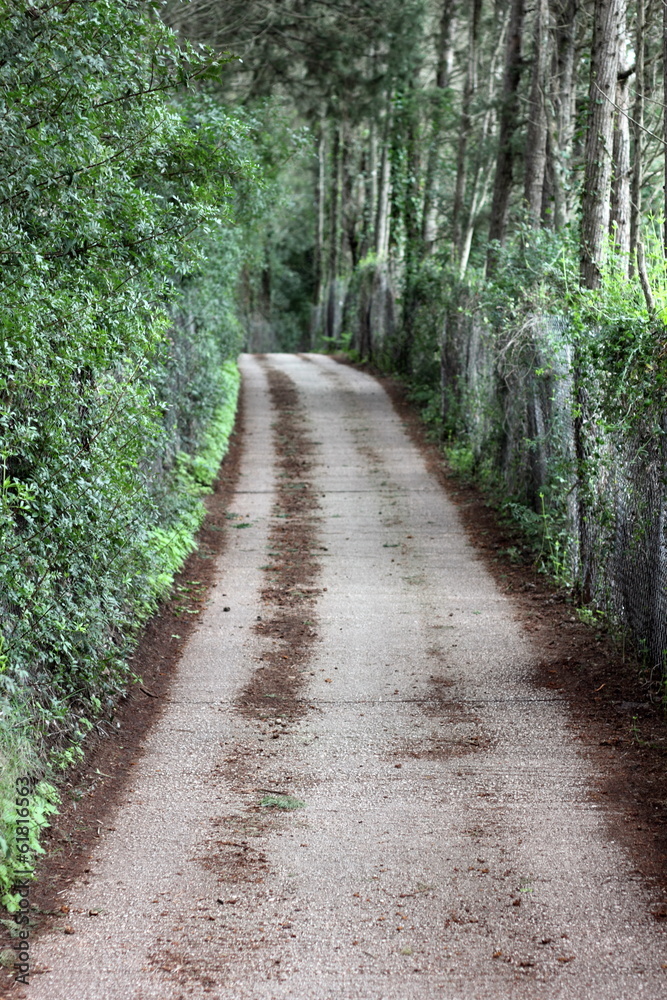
(290, 593)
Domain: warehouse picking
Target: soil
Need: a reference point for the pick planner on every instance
(273, 697)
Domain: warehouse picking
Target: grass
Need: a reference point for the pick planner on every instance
(281, 802)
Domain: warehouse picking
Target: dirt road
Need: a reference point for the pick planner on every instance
(355, 791)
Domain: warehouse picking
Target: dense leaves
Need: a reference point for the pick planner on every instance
(119, 183)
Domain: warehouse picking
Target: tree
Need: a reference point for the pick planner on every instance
(508, 129)
(605, 56)
(444, 56)
(561, 108)
(465, 123)
(637, 129)
(536, 132)
(622, 170)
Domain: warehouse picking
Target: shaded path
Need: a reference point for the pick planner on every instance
(448, 847)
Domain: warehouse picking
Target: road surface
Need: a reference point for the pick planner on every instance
(355, 791)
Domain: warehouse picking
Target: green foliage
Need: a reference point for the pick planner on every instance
(168, 547)
(22, 818)
(101, 183)
(460, 459)
(621, 344)
(536, 270)
(547, 539)
(204, 465)
(121, 194)
(427, 397)
(427, 307)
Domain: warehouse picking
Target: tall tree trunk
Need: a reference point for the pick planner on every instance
(482, 174)
(335, 203)
(620, 192)
(334, 229)
(536, 133)
(561, 108)
(372, 188)
(442, 78)
(478, 195)
(465, 125)
(352, 206)
(637, 127)
(620, 188)
(607, 26)
(320, 198)
(599, 138)
(411, 205)
(384, 195)
(504, 176)
(413, 242)
(551, 179)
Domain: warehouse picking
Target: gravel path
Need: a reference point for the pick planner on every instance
(444, 842)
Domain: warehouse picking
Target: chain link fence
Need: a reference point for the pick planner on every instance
(594, 498)
(511, 399)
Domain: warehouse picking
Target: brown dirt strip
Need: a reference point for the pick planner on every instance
(272, 699)
(273, 696)
(290, 593)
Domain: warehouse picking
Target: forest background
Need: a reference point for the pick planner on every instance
(469, 195)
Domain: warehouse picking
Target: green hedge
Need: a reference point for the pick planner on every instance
(119, 259)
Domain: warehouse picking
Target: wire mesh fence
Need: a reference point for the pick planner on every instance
(512, 399)
(592, 492)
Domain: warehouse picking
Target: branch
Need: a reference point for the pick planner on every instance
(79, 170)
(643, 277)
(625, 74)
(623, 112)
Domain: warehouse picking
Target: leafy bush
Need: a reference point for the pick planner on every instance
(120, 256)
